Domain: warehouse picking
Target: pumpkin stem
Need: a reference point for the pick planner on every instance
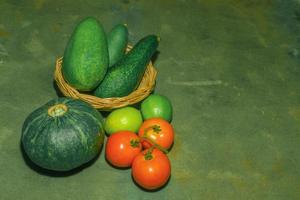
(57, 110)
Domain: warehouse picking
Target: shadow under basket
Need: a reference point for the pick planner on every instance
(145, 87)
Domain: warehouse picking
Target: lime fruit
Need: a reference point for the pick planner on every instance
(156, 105)
(123, 119)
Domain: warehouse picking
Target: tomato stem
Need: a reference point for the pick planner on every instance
(134, 143)
(156, 129)
(148, 154)
(155, 145)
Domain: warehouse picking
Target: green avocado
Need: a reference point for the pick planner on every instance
(85, 60)
(124, 77)
(117, 40)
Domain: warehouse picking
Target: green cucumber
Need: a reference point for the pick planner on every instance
(117, 41)
(85, 60)
(124, 77)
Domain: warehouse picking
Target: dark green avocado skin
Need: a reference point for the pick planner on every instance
(124, 77)
(85, 60)
(117, 41)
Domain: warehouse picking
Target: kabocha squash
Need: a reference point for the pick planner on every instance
(63, 134)
(85, 60)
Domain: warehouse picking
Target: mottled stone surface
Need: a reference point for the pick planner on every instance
(232, 71)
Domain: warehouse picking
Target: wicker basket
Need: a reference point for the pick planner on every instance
(144, 89)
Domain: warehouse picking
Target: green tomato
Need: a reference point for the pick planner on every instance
(157, 105)
(123, 119)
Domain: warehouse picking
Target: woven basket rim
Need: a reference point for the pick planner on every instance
(145, 87)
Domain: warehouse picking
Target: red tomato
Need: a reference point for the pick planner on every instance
(122, 147)
(151, 169)
(158, 131)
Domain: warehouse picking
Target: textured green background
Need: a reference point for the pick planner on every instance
(231, 69)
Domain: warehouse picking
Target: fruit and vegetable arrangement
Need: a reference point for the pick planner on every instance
(141, 139)
(66, 133)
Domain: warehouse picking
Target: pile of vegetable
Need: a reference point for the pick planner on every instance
(141, 139)
(96, 63)
(66, 133)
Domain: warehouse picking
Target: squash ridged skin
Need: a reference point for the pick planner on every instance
(85, 59)
(62, 143)
(117, 40)
(124, 77)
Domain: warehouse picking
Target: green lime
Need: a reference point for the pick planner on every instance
(123, 119)
(157, 105)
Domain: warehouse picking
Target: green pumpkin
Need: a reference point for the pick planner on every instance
(63, 134)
